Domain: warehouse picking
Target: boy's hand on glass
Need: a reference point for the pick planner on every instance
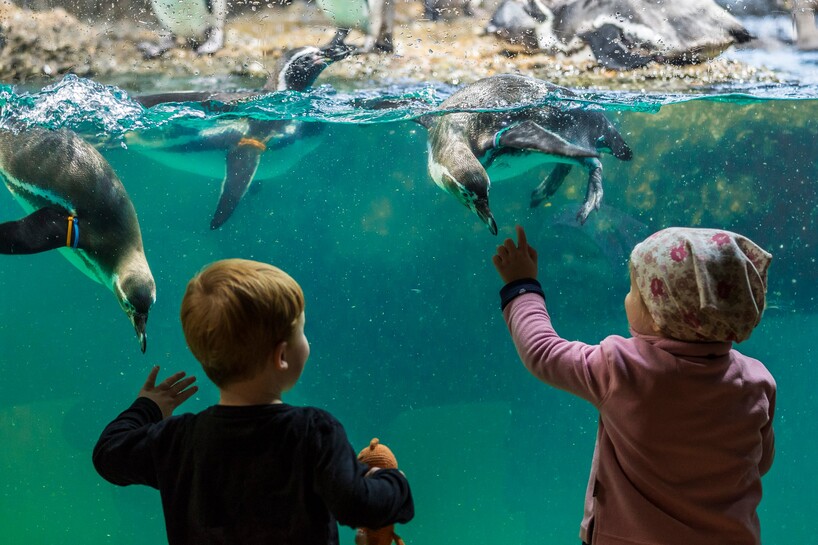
(171, 392)
(514, 262)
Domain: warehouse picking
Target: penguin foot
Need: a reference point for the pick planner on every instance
(550, 185)
(585, 211)
(592, 202)
(593, 195)
(214, 42)
(151, 50)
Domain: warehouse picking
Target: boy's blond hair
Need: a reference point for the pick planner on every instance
(235, 312)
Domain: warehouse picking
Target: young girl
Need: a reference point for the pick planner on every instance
(685, 421)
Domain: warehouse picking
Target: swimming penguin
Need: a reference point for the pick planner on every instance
(376, 18)
(627, 34)
(435, 9)
(200, 22)
(463, 145)
(77, 204)
(243, 140)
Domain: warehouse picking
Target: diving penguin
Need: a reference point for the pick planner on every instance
(76, 203)
(243, 140)
(376, 18)
(200, 22)
(464, 144)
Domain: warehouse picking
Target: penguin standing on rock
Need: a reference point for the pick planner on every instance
(517, 22)
(376, 18)
(199, 22)
(464, 144)
(243, 140)
(623, 34)
(77, 204)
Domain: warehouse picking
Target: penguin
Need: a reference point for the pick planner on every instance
(199, 22)
(517, 21)
(465, 145)
(244, 140)
(76, 203)
(435, 9)
(376, 18)
(628, 34)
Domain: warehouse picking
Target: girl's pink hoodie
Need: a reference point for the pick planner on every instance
(685, 431)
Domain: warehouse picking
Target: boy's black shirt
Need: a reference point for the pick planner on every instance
(266, 474)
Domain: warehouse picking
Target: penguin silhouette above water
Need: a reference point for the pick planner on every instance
(623, 34)
(463, 147)
(77, 204)
(376, 18)
(200, 22)
(242, 141)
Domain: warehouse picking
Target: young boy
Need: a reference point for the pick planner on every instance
(252, 469)
(685, 421)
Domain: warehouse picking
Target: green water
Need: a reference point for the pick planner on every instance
(407, 340)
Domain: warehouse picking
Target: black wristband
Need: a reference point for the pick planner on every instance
(517, 288)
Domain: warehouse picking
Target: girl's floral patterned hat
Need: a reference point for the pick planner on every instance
(702, 284)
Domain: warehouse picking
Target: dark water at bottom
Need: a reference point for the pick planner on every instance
(407, 340)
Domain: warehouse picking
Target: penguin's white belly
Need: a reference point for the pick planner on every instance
(185, 18)
(509, 166)
(212, 164)
(347, 13)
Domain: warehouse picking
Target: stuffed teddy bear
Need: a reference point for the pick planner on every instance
(378, 455)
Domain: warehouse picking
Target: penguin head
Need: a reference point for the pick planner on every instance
(300, 67)
(463, 176)
(136, 293)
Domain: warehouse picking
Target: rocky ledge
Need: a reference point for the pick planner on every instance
(38, 46)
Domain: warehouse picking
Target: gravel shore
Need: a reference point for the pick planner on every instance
(38, 47)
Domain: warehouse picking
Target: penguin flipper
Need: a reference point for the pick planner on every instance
(42, 230)
(242, 163)
(532, 137)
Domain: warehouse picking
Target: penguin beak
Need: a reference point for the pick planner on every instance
(336, 52)
(482, 210)
(140, 322)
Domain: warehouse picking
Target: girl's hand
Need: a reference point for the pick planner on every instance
(171, 392)
(514, 262)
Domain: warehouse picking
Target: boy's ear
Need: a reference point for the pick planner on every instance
(279, 355)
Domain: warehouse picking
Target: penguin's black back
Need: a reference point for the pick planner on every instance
(521, 98)
(63, 169)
